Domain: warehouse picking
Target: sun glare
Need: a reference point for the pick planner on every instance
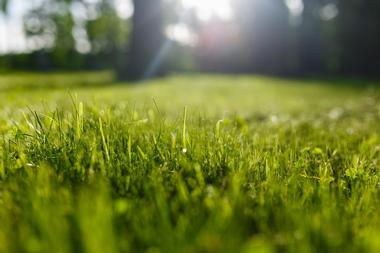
(206, 9)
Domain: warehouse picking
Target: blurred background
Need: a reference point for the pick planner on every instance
(146, 38)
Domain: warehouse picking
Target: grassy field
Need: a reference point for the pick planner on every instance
(188, 164)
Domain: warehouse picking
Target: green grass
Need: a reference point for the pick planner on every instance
(188, 164)
(28, 81)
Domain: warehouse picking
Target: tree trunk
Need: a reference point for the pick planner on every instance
(146, 41)
(311, 44)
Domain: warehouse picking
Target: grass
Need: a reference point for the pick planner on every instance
(28, 81)
(189, 164)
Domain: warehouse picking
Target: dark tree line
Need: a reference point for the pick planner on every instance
(347, 44)
(339, 37)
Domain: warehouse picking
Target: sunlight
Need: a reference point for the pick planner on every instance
(206, 9)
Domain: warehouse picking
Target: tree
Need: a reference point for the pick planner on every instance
(265, 30)
(4, 5)
(3, 14)
(147, 40)
(108, 35)
(359, 36)
(50, 27)
(311, 51)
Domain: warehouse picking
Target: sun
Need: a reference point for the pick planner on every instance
(207, 9)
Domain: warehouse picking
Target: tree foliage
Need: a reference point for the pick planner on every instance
(3, 6)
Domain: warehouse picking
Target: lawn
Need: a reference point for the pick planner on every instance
(195, 163)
